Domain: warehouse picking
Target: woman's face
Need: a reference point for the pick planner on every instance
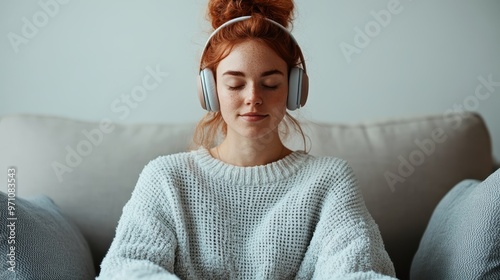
(252, 85)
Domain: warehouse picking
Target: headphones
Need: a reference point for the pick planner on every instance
(298, 82)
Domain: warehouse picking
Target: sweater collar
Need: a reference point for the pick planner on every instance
(253, 175)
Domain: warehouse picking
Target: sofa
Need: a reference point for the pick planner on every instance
(84, 173)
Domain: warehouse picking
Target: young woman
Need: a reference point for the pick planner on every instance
(242, 205)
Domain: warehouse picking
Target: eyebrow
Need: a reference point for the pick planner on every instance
(241, 74)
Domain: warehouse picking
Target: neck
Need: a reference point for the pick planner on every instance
(250, 152)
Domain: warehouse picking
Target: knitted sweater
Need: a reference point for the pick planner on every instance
(192, 216)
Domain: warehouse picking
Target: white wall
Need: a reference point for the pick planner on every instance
(82, 57)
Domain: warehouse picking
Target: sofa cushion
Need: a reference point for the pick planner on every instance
(462, 240)
(39, 242)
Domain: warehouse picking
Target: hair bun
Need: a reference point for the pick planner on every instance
(221, 11)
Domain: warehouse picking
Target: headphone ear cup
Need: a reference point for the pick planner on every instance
(207, 91)
(201, 95)
(298, 88)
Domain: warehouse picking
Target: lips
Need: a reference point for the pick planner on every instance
(253, 116)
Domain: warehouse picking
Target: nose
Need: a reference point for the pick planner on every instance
(253, 96)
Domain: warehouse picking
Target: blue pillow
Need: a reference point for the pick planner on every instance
(462, 239)
(38, 242)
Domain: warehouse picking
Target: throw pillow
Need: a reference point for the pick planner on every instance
(462, 239)
(38, 242)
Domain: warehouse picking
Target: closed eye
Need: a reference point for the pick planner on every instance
(267, 87)
(271, 87)
(234, 88)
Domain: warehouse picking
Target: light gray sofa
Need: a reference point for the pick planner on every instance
(404, 167)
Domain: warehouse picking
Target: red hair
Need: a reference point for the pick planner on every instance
(255, 28)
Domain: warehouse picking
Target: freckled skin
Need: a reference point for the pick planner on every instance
(252, 79)
(252, 58)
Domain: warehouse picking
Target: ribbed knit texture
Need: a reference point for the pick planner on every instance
(194, 217)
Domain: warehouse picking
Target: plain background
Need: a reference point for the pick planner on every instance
(83, 59)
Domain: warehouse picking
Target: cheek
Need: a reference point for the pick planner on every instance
(279, 105)
(227, 101)
(281, 99)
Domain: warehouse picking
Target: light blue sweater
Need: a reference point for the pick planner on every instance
(194, 217)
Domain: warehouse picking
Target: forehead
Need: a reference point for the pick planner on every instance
(253, 57)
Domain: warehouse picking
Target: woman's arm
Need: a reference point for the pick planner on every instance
(145, 243)
(347, 243)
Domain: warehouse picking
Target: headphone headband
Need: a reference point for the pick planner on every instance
(242, 18)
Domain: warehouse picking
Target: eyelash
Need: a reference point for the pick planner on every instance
(239, 87)
(233, 88)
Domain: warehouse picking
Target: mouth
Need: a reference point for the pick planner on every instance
(253, 117)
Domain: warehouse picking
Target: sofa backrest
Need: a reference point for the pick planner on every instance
(404, 166)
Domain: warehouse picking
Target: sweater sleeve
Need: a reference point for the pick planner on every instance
(144, 245)
(346, 243)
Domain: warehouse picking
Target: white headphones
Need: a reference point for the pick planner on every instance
(298, 82)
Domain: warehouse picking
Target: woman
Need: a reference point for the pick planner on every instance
(247, 207)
